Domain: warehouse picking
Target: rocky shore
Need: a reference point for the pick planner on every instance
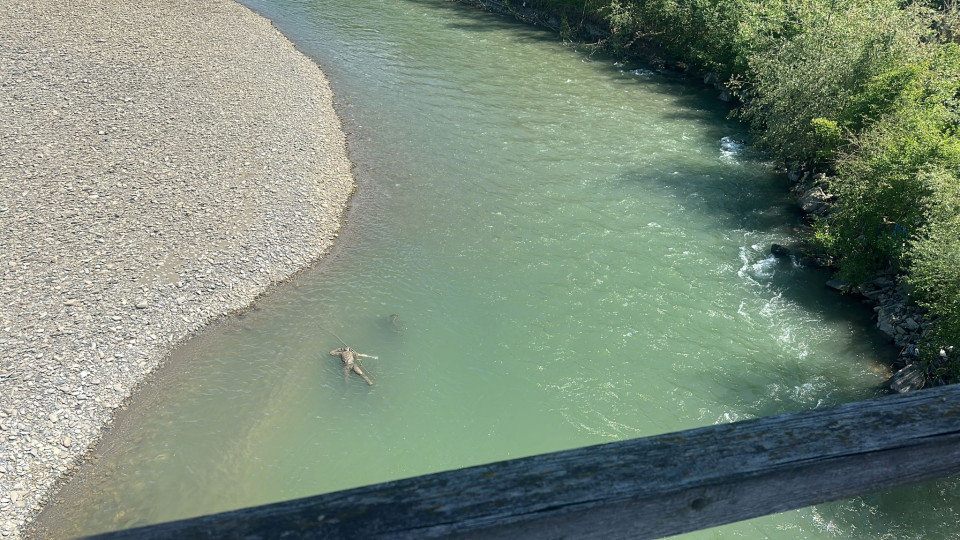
(897, 315)
(162, 163)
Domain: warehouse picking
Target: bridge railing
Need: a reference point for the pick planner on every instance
(642, 488)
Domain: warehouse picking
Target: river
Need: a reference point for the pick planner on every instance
(576, 251)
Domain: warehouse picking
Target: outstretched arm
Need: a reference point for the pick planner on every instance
(367, 356)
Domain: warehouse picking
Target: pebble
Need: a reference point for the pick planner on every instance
(145, 225)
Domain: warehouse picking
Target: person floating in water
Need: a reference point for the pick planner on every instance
(351, 363)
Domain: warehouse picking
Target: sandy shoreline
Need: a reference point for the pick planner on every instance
(162, 163)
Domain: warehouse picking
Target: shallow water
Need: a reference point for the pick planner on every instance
(575, 252)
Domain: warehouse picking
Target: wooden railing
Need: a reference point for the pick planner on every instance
(641, 488)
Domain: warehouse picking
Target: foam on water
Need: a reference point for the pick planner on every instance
(731, 148)
(572, 262)
(753, 270)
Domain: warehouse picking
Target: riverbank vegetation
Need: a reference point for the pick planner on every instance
(867, 91)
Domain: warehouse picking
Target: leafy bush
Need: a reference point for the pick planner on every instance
(827, 136)
(867, 89)
(935, 269)
(823, 70)
(624, 24)
(714, 35)
(883, 191)
(889, 179)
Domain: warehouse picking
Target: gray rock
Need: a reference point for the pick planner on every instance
(815, 201)
(838, 284)
(907, 379)
(779, 251)
(887, 328)
(872, 294)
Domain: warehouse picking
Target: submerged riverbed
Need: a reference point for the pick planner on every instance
(575, 252)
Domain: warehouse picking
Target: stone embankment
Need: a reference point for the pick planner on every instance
(162, 163)
(897, 315)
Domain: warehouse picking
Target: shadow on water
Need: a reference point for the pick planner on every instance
(734, 201)
(889, 514)
(764, 211)
(738, 203)
(557, 317)
(666, 82)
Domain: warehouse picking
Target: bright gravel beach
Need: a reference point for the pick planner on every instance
(162, 163)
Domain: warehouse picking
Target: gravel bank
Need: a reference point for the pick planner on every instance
(162, 163)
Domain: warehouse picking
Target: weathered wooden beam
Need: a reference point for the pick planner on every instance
(643, 488)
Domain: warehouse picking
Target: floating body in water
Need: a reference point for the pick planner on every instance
(350, 363)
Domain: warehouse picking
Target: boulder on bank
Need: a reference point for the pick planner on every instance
(816, 201)
(780, 251)
(838, 285)
(907, 379)
(887, 328)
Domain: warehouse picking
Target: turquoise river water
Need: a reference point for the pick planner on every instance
(577, 252)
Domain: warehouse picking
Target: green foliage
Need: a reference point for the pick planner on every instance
(868, 90)
(624, 24)
(566, 32)
(947, 21)
(935, 269)
(889, 179)
(827, 136)
(822, 70)
(715, 35)
(881, 185)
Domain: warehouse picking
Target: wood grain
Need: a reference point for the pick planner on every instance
(642, 488)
